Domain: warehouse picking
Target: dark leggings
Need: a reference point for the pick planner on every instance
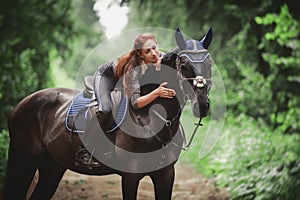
(103, 85)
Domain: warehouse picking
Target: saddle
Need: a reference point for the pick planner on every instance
(84, 105)
(88, 91)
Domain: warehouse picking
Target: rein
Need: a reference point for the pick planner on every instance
(169, 123)
(187, 146)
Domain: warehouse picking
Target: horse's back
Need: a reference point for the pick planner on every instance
(36, 113)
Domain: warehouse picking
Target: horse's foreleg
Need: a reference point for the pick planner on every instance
(50, 174)
(130, 183)
(163, 181)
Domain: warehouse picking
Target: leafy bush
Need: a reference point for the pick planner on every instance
(280, 47)
(251, 161)
(4, 143)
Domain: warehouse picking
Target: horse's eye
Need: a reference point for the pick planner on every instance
(184, 61)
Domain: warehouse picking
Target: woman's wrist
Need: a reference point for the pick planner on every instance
(155, 93)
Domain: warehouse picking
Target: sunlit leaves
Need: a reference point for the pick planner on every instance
(281, 50)
(286, 27)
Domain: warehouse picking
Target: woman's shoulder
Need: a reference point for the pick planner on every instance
(138, 70)
(108, 64)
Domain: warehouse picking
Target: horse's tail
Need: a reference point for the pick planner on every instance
(18, 177)
(21, 166)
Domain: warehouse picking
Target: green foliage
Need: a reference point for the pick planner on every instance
(157, 14)
(29, 29)
(286, 27)
(251, 161)
(89, 34)
(62, 78)
(281, 50)
(4, 141)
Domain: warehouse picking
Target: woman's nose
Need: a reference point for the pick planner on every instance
(153, 52)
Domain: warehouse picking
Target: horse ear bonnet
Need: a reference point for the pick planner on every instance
(179, 39)
(206, 40)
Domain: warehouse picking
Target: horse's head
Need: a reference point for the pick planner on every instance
(194, 65)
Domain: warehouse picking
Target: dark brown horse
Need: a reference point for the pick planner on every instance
(40, 141)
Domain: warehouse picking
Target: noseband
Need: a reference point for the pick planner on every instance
(193, 57)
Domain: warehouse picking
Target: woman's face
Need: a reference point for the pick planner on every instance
(150, 52)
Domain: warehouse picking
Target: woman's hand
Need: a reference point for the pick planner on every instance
(164, 92)
(157, 65)
(161, 91)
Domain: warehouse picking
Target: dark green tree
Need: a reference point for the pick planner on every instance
(29, 29)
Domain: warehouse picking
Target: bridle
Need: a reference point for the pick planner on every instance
(198, 81)
(191, 55)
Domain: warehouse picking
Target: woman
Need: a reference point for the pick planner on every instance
(144, 55)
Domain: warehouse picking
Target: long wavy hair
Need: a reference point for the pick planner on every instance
(132, 58)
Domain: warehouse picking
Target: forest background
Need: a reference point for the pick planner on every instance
(256, 47)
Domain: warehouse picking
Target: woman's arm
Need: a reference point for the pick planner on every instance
(133, 91)
(161, 91)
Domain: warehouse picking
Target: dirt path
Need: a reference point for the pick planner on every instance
(188, 185)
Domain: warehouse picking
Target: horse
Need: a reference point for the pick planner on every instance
(39, 140)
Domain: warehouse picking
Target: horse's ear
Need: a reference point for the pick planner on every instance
(179, 39)
(206, 40)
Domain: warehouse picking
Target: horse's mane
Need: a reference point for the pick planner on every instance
(169, 58)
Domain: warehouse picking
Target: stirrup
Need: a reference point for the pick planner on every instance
(83, 158)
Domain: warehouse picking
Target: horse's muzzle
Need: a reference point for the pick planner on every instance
(200, 110)
(200, 104)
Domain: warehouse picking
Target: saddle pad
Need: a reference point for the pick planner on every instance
(77, 114)
(77, 111)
